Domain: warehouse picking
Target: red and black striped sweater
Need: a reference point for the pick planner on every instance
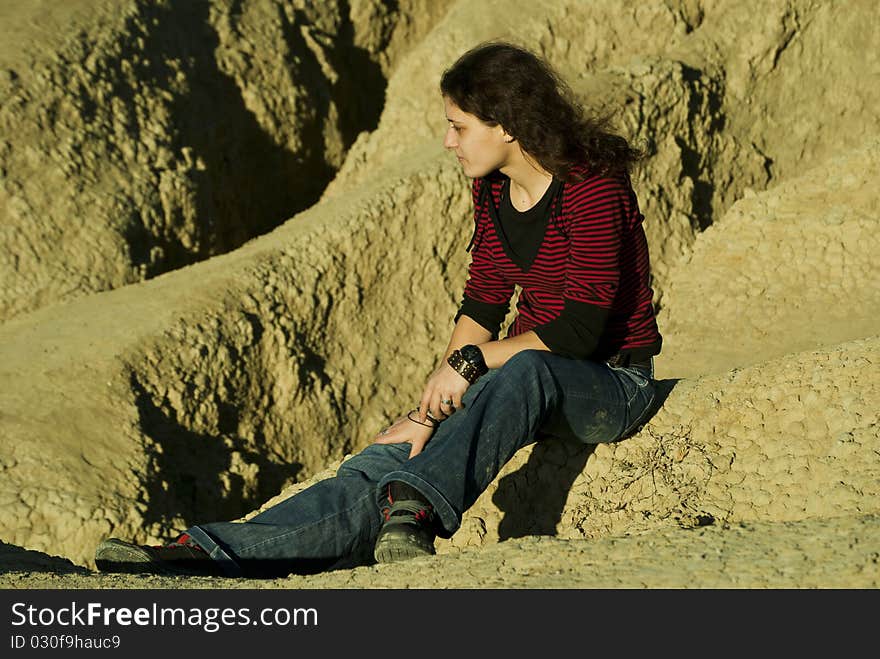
(586, 292)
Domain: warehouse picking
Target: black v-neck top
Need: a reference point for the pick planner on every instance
(522, 232)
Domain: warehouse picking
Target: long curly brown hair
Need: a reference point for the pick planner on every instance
(502, 83)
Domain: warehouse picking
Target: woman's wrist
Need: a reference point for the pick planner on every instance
(468, 362)
(433, 423)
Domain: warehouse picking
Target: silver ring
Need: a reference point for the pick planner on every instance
(446, 401)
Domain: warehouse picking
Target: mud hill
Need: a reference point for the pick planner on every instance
(204, 205)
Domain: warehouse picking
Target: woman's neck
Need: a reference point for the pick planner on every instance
(528, 180)
(528, 186)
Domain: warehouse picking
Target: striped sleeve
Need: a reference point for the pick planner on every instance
(485, 288)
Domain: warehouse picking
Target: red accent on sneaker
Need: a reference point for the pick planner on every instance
(422, 515)
(185, 540)
(386, 512)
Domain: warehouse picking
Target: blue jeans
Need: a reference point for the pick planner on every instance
(334, 523)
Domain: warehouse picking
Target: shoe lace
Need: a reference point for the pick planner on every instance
(408, 512)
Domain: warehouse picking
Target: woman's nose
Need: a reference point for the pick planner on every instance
(449, 141)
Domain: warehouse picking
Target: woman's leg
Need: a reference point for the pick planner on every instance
(506, 409)
(331, 524)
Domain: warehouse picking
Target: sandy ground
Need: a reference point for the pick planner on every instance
(835, 552)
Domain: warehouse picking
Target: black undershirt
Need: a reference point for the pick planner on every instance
(523, 231)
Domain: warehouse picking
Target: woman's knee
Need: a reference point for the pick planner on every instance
(375, 461)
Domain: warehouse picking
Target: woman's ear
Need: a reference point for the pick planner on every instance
(507, 137)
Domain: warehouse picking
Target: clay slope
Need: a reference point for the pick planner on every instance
(214, 389)
(790, 269)
(137, 137)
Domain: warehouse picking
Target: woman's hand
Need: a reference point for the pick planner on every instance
(406, 430)
(443, 393)
(445, 384)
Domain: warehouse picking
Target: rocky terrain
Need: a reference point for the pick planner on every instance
(204, 204)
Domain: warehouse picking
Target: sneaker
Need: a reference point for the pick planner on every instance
(409, 527)
(181, 557)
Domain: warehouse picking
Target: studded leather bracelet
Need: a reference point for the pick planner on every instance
(470, 370)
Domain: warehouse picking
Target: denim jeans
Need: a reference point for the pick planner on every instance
(334, 523)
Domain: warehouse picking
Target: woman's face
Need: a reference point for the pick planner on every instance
(481, 149)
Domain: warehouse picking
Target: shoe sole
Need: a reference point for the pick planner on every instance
(400, 546)
(116, 556)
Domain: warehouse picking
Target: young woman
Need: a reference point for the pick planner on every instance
(555, 213)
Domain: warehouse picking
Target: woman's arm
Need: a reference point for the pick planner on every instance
(496, 353)
(467, 331)
(443, 382)
(446, 383)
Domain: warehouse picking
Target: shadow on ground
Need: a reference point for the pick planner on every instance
(567, 460)
(18, 559)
